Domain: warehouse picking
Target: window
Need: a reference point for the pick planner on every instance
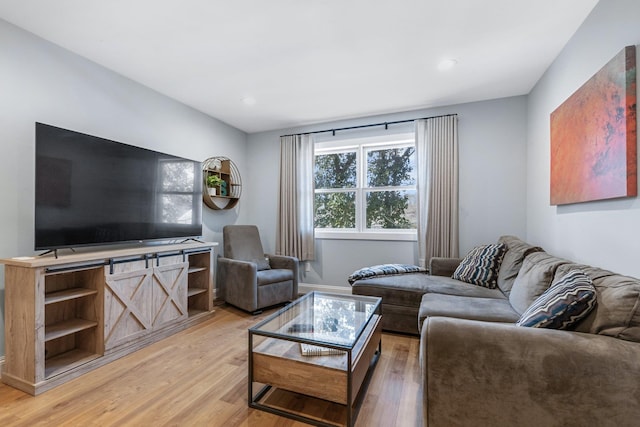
(177, 196)
(366, 188)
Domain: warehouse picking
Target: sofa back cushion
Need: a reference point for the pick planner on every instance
(517, 250)
(535, 277)
(617, 313)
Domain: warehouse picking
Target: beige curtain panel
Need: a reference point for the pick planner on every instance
(295, 234)
(437, 161)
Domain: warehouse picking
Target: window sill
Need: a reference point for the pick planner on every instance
(354, 235)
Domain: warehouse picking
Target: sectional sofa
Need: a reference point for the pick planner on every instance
(480, 368)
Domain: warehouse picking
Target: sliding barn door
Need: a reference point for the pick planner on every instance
(140, 298)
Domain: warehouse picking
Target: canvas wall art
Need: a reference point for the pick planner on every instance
(593, 136)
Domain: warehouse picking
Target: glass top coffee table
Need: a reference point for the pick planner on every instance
(320, 348)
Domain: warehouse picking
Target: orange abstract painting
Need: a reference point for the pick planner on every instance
(593, 136)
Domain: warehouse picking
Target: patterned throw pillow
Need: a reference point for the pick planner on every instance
(384, 270)
(481, 265)
(567, 301)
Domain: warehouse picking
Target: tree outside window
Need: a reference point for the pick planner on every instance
(366, 188)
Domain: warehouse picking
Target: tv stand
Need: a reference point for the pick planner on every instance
(55, 252)
(68, 315)
(191, 239)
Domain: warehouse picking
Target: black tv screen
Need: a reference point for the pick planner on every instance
(92, 191)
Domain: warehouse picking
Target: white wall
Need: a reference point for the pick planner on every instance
(492, 137)
(603, 233)
(42, 82)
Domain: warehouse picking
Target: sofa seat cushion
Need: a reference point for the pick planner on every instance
(461, 307)
(535, 277)
(617, 313)
(480, 266)
(517, 250)
(408, 289)
(568, 300)
(403, 290)
(274, 275)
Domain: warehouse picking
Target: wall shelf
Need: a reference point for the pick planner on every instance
(226, 195)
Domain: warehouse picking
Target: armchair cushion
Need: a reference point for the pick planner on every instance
(274, 275)
(242, 242)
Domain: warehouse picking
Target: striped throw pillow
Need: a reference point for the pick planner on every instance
(481, 265)
(567, 301)
(383, 270)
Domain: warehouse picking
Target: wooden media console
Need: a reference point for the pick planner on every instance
(68, 315)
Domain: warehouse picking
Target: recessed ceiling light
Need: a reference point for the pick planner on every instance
(447, 64)
(249, 100)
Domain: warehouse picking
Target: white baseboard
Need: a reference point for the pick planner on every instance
(305, 288)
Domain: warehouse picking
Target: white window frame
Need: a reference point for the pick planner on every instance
(361, 146)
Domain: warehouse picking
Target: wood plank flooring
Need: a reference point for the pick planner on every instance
(198, 377)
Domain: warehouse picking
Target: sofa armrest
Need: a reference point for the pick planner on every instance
(491, 374)
(440, 266)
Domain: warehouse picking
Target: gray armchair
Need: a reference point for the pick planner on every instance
(250, 279)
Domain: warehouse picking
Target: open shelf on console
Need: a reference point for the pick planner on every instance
(67, 361)
(68, 294)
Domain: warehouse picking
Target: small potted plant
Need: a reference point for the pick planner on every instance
(213, 182)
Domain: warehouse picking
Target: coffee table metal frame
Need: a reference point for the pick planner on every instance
(371, 323)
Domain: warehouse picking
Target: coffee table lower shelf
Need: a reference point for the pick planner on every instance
(320, 390)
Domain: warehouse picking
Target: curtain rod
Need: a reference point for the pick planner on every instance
(385, 124)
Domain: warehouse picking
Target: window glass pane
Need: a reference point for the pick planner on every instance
(177, 209)
(391, 167)
(391, 209)
(335, 210)
(177, 176)
(336, 170)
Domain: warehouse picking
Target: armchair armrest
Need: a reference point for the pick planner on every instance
(288, 263)
(237, 282)
(441, 266)
(492, 374)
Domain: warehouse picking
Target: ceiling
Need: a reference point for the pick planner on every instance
(299, 62)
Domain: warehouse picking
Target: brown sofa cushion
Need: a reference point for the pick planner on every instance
(407, 289)
(535, 276)
(460, 307)
(617, 312)
(517, 250)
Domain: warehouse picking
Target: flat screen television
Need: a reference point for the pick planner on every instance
(94, 191)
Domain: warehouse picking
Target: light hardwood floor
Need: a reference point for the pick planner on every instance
(198, 377)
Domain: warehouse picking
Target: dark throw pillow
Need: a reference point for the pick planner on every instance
(383, 270)
(262, 263)
(481, 265)
(567, 301)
